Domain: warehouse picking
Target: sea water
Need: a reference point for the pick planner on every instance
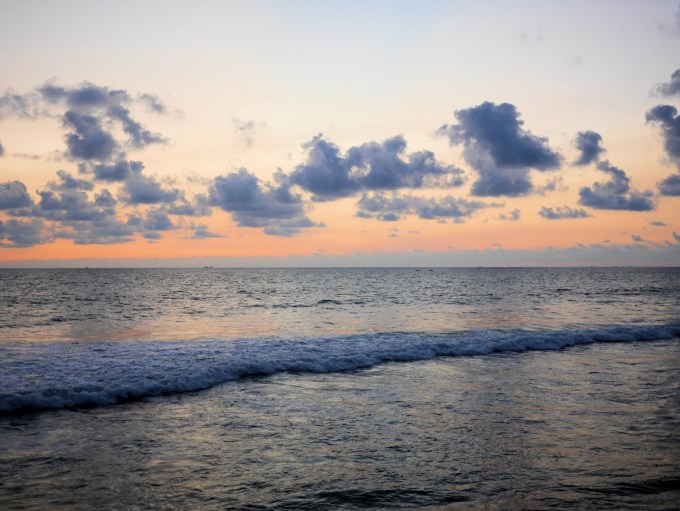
(340, 388)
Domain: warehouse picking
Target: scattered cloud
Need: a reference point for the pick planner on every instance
(246, 129)
(658, 223)
(392, 208)
(498, 147)
(21, 234)
(512, 216)
(666, 116)
(118, 171)
(588, 144)
(91, 114)
(373, 166)
(13, 194)
(670, 186)
(563, 212)
(68, 182)
(141, 189)
(254, 204)
(669, 121)
(201, 232)
(615, 193)
(672, 88)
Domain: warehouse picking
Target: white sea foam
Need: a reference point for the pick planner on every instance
(59, 375)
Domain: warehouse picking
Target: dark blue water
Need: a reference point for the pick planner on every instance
(340, 389)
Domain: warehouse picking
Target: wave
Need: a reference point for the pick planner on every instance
(54, 376)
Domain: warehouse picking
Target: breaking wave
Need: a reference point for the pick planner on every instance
(60, 375)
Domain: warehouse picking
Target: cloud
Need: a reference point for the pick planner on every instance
(68, 182)
(2, 150)
(372, 166)
(141, 189)
(588, 143)
(252, 204)
(74, 205)
(512, 216)
(639, 239)
(157, 220)
(23, 106)
(153, 103)
(676, 237)
(669, 120)
(672, 88)
(118, 171)
(499, 149)
(666, 116)
(671, 28)
(88, 140)
(245, 130)
(201, 232)
(616, 193)
(103, 231)
(561, 213)
(658, 223)
(89, 113)
(392, 208)
(200, 206)
(670, 186)
(13, 194)
(21, 234)
(139, 136)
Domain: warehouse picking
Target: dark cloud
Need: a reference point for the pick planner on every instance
(499, 149)
(658, 223)
(638, 238)
(670, 186)
(157, 220)
(88, 140)
(68, 182)
(201, 232)
(13, 194)
(392, 208)
(21, 234)
(118, 171)
(252, 204)
(153, 236)
(375, 166)
(2, 150)
(561, 213)
(91, 113)
(103, 231)
(615, 193)
(72, 205)
(140, 189)
(669, 120)
(672, 88)
(676, 237)
(139, 136)
(588, 143)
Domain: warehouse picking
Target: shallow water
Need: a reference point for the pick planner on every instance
(590, 427)
(343, 389)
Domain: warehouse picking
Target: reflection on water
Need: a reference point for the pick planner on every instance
(594, 427)
(94, 305)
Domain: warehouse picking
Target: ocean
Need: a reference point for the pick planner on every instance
(413, 388)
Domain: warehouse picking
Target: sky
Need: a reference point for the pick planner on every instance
(300, 133)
